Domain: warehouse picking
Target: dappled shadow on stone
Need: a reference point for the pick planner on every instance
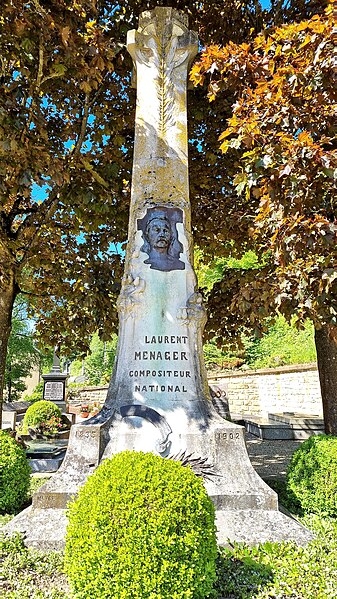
(270, 459)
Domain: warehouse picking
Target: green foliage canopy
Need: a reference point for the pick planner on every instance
(280, 142)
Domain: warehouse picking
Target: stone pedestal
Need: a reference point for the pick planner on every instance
(158, 399)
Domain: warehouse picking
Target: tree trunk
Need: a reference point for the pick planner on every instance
(7, 296)
(326, 348)
(9, 384)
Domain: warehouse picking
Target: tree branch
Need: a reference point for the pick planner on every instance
(36, 90)
(31, 294)
(88, 167)
(40, 9)
(44, 211)
(16, 210)
(83, 128)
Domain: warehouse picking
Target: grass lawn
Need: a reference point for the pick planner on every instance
(269, 571)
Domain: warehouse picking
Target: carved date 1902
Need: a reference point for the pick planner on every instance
(227, 436)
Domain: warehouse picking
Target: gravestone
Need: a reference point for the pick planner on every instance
(54, 383)
(158, 399)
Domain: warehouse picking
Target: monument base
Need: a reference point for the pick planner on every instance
(246, 508)
(258, 526)
(45, 528)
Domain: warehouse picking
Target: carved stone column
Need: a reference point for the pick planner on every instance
(159, 373)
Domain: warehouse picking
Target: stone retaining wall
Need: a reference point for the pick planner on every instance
(87, 394)
(283, 389)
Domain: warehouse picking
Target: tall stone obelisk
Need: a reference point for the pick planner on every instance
(159, 375)
(158, 398)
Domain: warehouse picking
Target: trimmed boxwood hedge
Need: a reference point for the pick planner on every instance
(312, 475)
(14, 474)
(142, 527)
(38, 412)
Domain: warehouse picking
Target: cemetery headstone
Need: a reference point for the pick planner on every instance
(54, 383)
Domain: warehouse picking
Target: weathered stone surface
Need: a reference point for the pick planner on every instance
(86, 444)
(257, 526)
(45, 529)
(283, 426)
(292, 388)
(42, 529)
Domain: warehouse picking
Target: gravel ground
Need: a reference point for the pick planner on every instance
(270, 459)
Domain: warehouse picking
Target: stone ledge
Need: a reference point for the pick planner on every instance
(45, 529)
(258, 526)
(224, 374)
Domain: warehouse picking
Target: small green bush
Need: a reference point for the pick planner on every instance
(312, 475)
(14, 474)
(30, 574)
(142, 527)
(39, 412)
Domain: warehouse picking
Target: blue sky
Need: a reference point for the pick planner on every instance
(40, 193)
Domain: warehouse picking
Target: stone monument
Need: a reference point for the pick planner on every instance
(158, 399)
(54, 383)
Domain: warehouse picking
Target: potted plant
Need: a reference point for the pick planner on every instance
(84, 412)
(94, 408)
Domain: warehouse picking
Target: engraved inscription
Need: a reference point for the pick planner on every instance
(157, 380)
(160, 373)
(85, 434)
(54, 390)
(160, 355)
(161, 388)
(227, 436)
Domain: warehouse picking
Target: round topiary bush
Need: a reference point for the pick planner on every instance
(312, 475)
(14, 474)
(39, 412)
(142, 527)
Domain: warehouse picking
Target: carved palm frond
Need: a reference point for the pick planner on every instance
(199, 465)
(165, 87)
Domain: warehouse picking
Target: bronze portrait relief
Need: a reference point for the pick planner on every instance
(161, 238)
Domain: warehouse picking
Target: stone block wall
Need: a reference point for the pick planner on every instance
(253, 392)
(76, 395)
(283, 389)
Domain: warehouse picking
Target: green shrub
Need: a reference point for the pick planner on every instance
(30, 574)
(14, 474)
(312, 475)
(142, 527)
(282, 344)
(36, 395)
(39, 412)
(282, 570)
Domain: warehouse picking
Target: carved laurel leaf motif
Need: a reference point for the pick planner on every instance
(166, 46)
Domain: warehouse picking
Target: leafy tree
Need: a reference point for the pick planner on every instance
(66, 132)
(98, 364)
(280, 141)
(22, 354)
(282, 344)
(59, 74)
